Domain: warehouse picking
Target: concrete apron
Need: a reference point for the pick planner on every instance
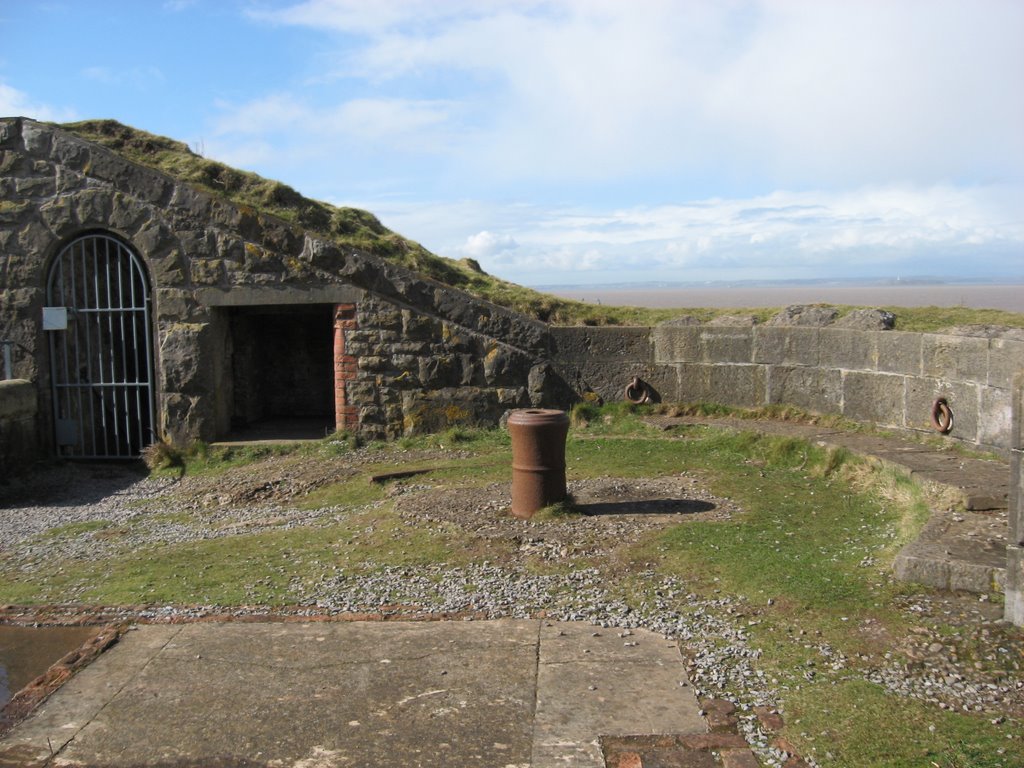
(515, 693)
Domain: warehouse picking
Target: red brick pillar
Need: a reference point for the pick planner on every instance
(346, 368)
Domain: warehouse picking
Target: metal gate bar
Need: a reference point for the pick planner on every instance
(101, 362)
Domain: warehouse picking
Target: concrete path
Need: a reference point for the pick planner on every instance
(508, 693)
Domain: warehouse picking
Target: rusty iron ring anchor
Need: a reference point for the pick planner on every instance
(637, 391)
(942, 416)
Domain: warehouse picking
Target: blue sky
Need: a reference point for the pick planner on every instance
(584, 141)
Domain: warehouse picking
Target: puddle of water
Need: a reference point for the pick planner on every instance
(27, 652)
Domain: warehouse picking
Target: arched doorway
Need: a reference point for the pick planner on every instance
(101, 354)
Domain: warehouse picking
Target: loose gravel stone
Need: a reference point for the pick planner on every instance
(712, 632)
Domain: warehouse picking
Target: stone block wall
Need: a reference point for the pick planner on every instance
(1014, 591)
(408, 372)
(19, 444)
(415, 355)
(889, 378)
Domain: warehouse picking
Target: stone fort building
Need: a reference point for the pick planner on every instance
(135, 306)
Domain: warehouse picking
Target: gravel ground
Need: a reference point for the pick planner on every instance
(976, 668)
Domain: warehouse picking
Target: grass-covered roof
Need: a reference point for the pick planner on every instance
(361, 229)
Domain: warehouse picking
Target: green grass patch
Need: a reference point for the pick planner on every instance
(242, 569)
(805, 534)
(856, 724)
(77, 529)
(562, 510)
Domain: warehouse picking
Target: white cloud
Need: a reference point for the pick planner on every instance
(486, 244)
(894, 131)
(15, 103)
(803, 90)
(782, 234)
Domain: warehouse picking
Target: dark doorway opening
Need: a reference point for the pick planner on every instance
(282, 371)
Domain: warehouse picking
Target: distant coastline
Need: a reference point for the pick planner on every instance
(1009, 297)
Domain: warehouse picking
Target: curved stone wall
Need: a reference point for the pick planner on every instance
(888, 378)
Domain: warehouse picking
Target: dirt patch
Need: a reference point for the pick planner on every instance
(612, 512)
(285, 478)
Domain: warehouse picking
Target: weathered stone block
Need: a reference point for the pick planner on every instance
(512, 397)
(375, 364)
(19, 425)
(1014, 589)
(417, 327)
(261, 260)
(786, 346)
(386, 317)
(13, 214)
(92, 208)
(10, 131)
(610, 381)
(726, 345)
(954, 358)
(185, 349)
(849, 349)
(107, 166)
(155, 239)
(181, 418)
(456, 338)
(605, 344)
(71, 152)
(206, 271)
(127, 216)
(501, 366)
(11, 163)
(1016, 511)
(874, 397)
(900, 352)
(472, 371)
(17, 399)
(962, 398)
(195, 204)
(1005, 361)
(58, 216)
(693, 383)
(362, 392)
(36, 186)
(815, 389)
(739, 385)
(408, 367)
(439, 410)
(995, 417)
(440, 371)
(662, 381)
(38, 138)
(174, 305)
(677, 344)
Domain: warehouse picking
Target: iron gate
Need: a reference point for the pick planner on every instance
(101, 356)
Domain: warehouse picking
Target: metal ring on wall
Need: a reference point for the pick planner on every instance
(942, 416)
(637, 392)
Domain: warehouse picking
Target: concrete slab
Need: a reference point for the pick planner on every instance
(959, 551)
(601, 682)
(508, 693)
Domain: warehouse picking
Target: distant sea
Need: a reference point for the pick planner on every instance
(975, 296)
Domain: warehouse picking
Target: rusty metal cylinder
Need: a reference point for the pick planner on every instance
(538, 459)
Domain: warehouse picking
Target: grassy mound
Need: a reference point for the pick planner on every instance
(361, 229)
